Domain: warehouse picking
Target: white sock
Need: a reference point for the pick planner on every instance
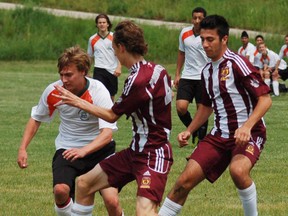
(275, 84)
(81, 210)
(66, 210)
(268, 82)
(248, 197)
(169, 208)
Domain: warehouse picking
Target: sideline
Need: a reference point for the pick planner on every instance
(87, 15)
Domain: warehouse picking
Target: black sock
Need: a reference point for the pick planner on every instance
(186, 118)
(202, 131)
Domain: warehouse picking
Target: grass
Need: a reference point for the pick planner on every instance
(247, 14)
(29, 192)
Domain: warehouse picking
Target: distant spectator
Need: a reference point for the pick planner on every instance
(269, 68)
(257, 55)
(247, 49)
(283, 53)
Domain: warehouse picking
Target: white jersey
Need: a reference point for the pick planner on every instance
(248, 51)
(77, 128)
(102, 51)
(195, 56)
(283, 51)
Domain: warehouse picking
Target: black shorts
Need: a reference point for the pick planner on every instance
(65, 171)
(109, 80)
(189, 89)
(283, 74)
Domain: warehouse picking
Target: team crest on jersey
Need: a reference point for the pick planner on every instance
(224, 73)
(146, 180)
(84, 116)
(250, 149)
(254, 83)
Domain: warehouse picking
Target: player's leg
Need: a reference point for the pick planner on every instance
(145, 206)
(111, 200)
(275, 83)
(86, 186)
(63, 184)
(240, 172)
(189, 178)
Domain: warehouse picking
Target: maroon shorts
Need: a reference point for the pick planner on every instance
(149, 168)
(214, 153)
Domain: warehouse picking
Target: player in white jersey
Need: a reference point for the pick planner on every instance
(269, 65)
(247, 49)
(146, 100)
(188, 83)
(258, 39)
(235, 92)
(83, 140)
(283, 54)
(107, 68)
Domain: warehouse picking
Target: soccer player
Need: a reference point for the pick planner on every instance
(107, 68)
(191, 54)
(146, 99)
(269, 65)
(83, 140)
(234, 90)
(247, 49)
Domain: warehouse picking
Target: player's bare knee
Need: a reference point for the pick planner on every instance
(61, 192)
(81, 184)
(112, 202)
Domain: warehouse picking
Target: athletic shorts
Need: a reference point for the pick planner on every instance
(214, 153)
(65, 171)
(189, 89)
(109, 80)
(283, 74)
(149, 168)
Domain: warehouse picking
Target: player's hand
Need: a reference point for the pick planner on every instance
(176, 81)
(117, 73)
(242, 136)
(66, 97)
(73, 154)
(183, 138)
(22, 158)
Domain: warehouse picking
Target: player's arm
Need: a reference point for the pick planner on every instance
(73, 100)
(99, 142)
(118, 69)
(201, 116)
(29, 132)
(243, 134)
(180, 62)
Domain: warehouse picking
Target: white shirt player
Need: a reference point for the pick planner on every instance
(195, 56)
(102, 51)
(271, 61)
(283, 51)
(77, 128)
(248, 51)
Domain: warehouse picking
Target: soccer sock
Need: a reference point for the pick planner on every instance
(81, 210)
(64, 210)
(275, 85)
(169, 208)
(248, 197)
(186, 118)
(202, 131)
(268, 82)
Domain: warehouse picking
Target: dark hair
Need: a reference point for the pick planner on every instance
(216, 22)
(199, 10)
(105, 17)
(131, 36)
(74, 55)
(259, 36)
(244, 34)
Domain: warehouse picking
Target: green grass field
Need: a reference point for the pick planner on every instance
(29, 192)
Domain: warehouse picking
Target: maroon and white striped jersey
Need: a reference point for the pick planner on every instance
(232, 86)
(146, 98)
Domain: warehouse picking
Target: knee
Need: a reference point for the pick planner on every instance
(112, 202)
(61, 192)
(81, 184)
(240, 176)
